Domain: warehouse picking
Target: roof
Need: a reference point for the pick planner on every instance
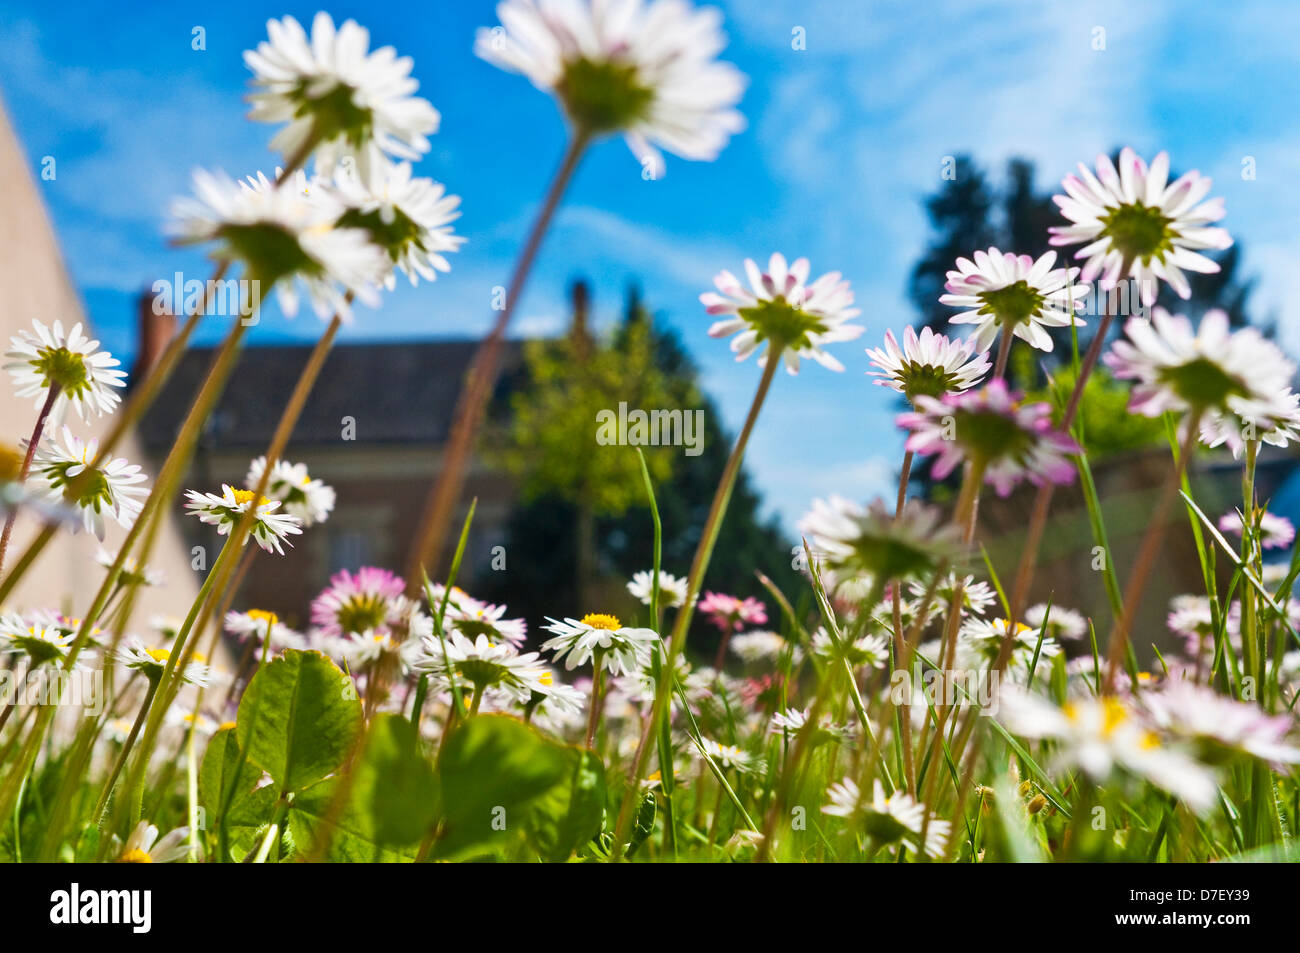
(398, 393)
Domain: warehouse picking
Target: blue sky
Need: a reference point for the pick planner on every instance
(845, 137)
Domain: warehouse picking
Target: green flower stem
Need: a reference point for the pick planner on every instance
(192, 785)
(107, 790)
(966, 516)
(279, 440)
(1252, 647)
(218, 576)
(142, 397)
(703, 553)
(32, 444)
(1043, 500)
(272, 834)
(1148, 550)
(168, 476)
(1037, 526)
(597, 702)
(168, 683)
(1004, 351)
(471, 405)
(905, 709)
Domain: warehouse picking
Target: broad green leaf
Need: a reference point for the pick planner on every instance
(394, 790)
(490, 768)
(645, 823)
(299, 719)
(570, 813)
(351, 835)
(226, 789)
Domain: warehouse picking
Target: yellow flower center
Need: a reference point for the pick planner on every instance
(1114, 715)
(135, 856)
(599, 620)
(261, 615)
(11, 463)
(546, 678)
(247, 496)
(225, 725)
(159, 655)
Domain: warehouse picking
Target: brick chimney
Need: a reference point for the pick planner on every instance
(155, 327)
(580, 293)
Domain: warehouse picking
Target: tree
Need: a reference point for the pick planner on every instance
(969, 212)
(554, 445)
(545, 537)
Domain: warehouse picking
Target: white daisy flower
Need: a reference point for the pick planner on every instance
(1212, 368)
(360, 650)
(561, 703)
(976, 594)
(1275, 532)
(727, 756)
(203, 725)
(1007, 437)
(1191, 617)
(561, 712)
(472, 618)
(645, 69)
(1136, 214)
(882, 614)
(1062, 624)
(1218, 726)
(40, 643)
(254, 624)
(781, 308)
(672, 589)
(792, 720)
(132, 572)
(166, 625)
(1275, 421)
(928, 364)
(1098, 735)
(624, 650)
(335, 94)
(269, 528)
(979, 642)
(286, 235)
(1001, 291)
(16, 495)
(309, 500)
(871, 651)
(483, 665)
(408, 217)
(851, 538)
(111, 488)
(758, 646)
(887, 820)
(151, 663)
(84, 375)
(458, 600)
(143, 845)
(116, 730)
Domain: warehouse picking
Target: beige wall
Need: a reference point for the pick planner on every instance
(34, 284)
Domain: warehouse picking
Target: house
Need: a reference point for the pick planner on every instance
(373, 428)
(36, 285)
